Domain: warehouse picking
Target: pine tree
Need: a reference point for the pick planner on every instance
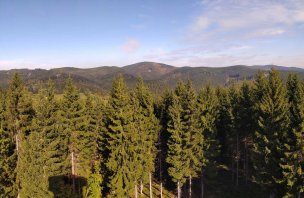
(207, 108)
(7, 154)
(234, 135)
(74, 121)
(193, 134)
(19, 114)
(245, 124)
(90, 159)
(94, 182)
(224, 126)
(45, 150)
(184, 127)
(120, 141)
(294, 93)
(162, 112)
(293, 161)
(272, 134)
(175, 157)
(147, 129)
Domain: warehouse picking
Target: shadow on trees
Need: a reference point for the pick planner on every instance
(62, 186)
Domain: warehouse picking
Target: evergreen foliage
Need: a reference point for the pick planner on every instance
(207, 108)
(120, 141)
(272, 134)
(245, 140)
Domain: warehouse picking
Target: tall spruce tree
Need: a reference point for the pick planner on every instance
(163, 137)
(207, 108)
(245, 125)
(271, 135)
(120, 141)
(176, 157)
(193, 134)
(147, 127)
(45, 148)
(224, 126)
(7, 154)
(185, 133)
(74, 128)
(234, 135)
(293, 163)
(19, 114)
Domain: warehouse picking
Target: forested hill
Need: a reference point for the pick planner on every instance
(157, 75)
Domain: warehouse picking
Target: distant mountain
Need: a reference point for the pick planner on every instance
(157, 75)
(280, 68)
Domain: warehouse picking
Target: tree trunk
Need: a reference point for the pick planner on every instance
(178, 190)
(202, 183)
(246, 165)
(17, 144)
(299, 194)
(73, 171)
(17, 150)
(232, 170)
(237, 160)
(190, 186)
(136, 191)
(161, 190)
(141, 187)
(150, 181)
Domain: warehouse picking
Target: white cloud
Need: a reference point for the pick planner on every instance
(241, 18)
(200, 23)
(131, 46)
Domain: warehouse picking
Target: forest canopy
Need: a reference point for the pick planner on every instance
(242, 140)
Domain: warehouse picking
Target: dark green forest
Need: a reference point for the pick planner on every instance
(241, 140)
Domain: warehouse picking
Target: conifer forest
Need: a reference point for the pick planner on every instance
(242, 140)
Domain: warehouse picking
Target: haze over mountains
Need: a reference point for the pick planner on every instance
(157, 75)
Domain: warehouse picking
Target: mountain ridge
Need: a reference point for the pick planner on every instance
(157, 75)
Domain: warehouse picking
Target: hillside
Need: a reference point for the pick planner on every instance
(158, 76)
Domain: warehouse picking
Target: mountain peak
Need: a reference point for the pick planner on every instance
(148, 70)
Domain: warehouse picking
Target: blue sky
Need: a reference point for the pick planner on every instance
(91, 33)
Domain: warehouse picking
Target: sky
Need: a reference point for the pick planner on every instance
(92, 33)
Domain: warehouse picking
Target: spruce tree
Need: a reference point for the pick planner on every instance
(224, 126)
(120, 141)
(19, 114)
(7, 154)
(147, 129)
(45, 149)
(193, 146)
(272, 134)
(293, 161)
(184, 124)
(176, 157)
(163, 136)
(74, 121)
(245, 125)
(91, 159)
(207, 108)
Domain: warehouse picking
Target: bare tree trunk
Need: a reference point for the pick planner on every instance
(178, 190)
(73, 171)
(202, 183)
(237, 160)
(17, 150)
(17, 143)
(299, 194)
(190, 186)
(245, 159)
(161, 190)
(141, 187)
(150, 181)
(232, 170)
(136, 191)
